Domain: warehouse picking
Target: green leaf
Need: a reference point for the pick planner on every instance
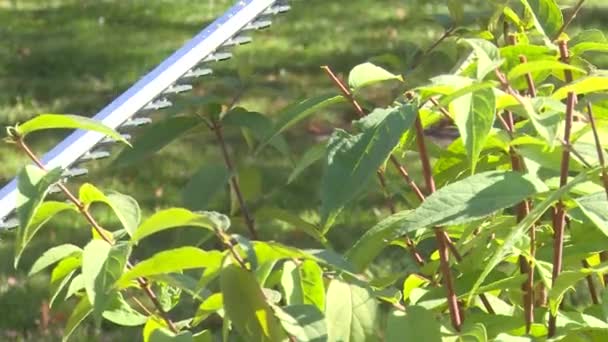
(211, 304)
(298, 112)
(304, 322)
(118, 311)
(415, 324)
(519, 231)
(303, 283)
(44, 213)
(464, 201)
(178, 217)
(76, 285)
(61, 275)
(203, 336)
(594, 207)
(273, 251)
(245, 305)
(172, 260)
(156, 136)
(251, 183)
(33, 185)
(565, 281)
(582, 86)
(474, 117)
(542, 65)
(165, 335)
(456, 8)
(257, 125)
(53, 121)
(208, 181)
(589, 35)
(548, 124)
(125, 207)
(584, 47)
(413, 281)
(310, 157)
(487, 54)
(292, 219)
(54, 255)
(81, 311)
(350, 312)
(367, 74)
(548, 18)
(102, 265)
(353, 160)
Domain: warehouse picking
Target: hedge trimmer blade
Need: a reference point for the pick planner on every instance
(154, 91)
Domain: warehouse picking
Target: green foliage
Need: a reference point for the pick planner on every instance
(245, 276)
(353, 159)
(54, 121)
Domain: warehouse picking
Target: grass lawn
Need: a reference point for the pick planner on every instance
(69, 56)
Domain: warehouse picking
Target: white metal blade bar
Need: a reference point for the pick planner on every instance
(145, 90)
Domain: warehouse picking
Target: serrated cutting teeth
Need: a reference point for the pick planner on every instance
(198, 72)
(158, 104)
(109, 141)
(55, 189)
(279, 8)
(74, 172)
(177, 88)
(217, 57)
(94, 155)
(154, 91)
(238, 40)
(9, 223)
(258, 24)
(136, 122)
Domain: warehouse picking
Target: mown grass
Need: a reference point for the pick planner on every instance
(75, 56)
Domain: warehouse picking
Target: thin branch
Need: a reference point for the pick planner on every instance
(420, 57)
(143, 283)
(570, 18)
(559, 220)
(234, 181)
(523, 210)
(440, 235)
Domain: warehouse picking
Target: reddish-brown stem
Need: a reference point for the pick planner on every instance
(560, 212)
(440, 235)
(234, 180)
(523, 209)
(570, 18)
(84, 210)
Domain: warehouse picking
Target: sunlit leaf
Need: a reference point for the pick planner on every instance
(367, 74)
(350, 312)
(353, 159)
(53, 121)
(463, 201)
(474, 117)
(54, 255)
(178, 218)
(245, 305)
(518, 231)
(304, 322)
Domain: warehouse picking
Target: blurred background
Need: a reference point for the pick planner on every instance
(74, 57)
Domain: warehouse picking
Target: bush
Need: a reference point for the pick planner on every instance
(512, 215)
